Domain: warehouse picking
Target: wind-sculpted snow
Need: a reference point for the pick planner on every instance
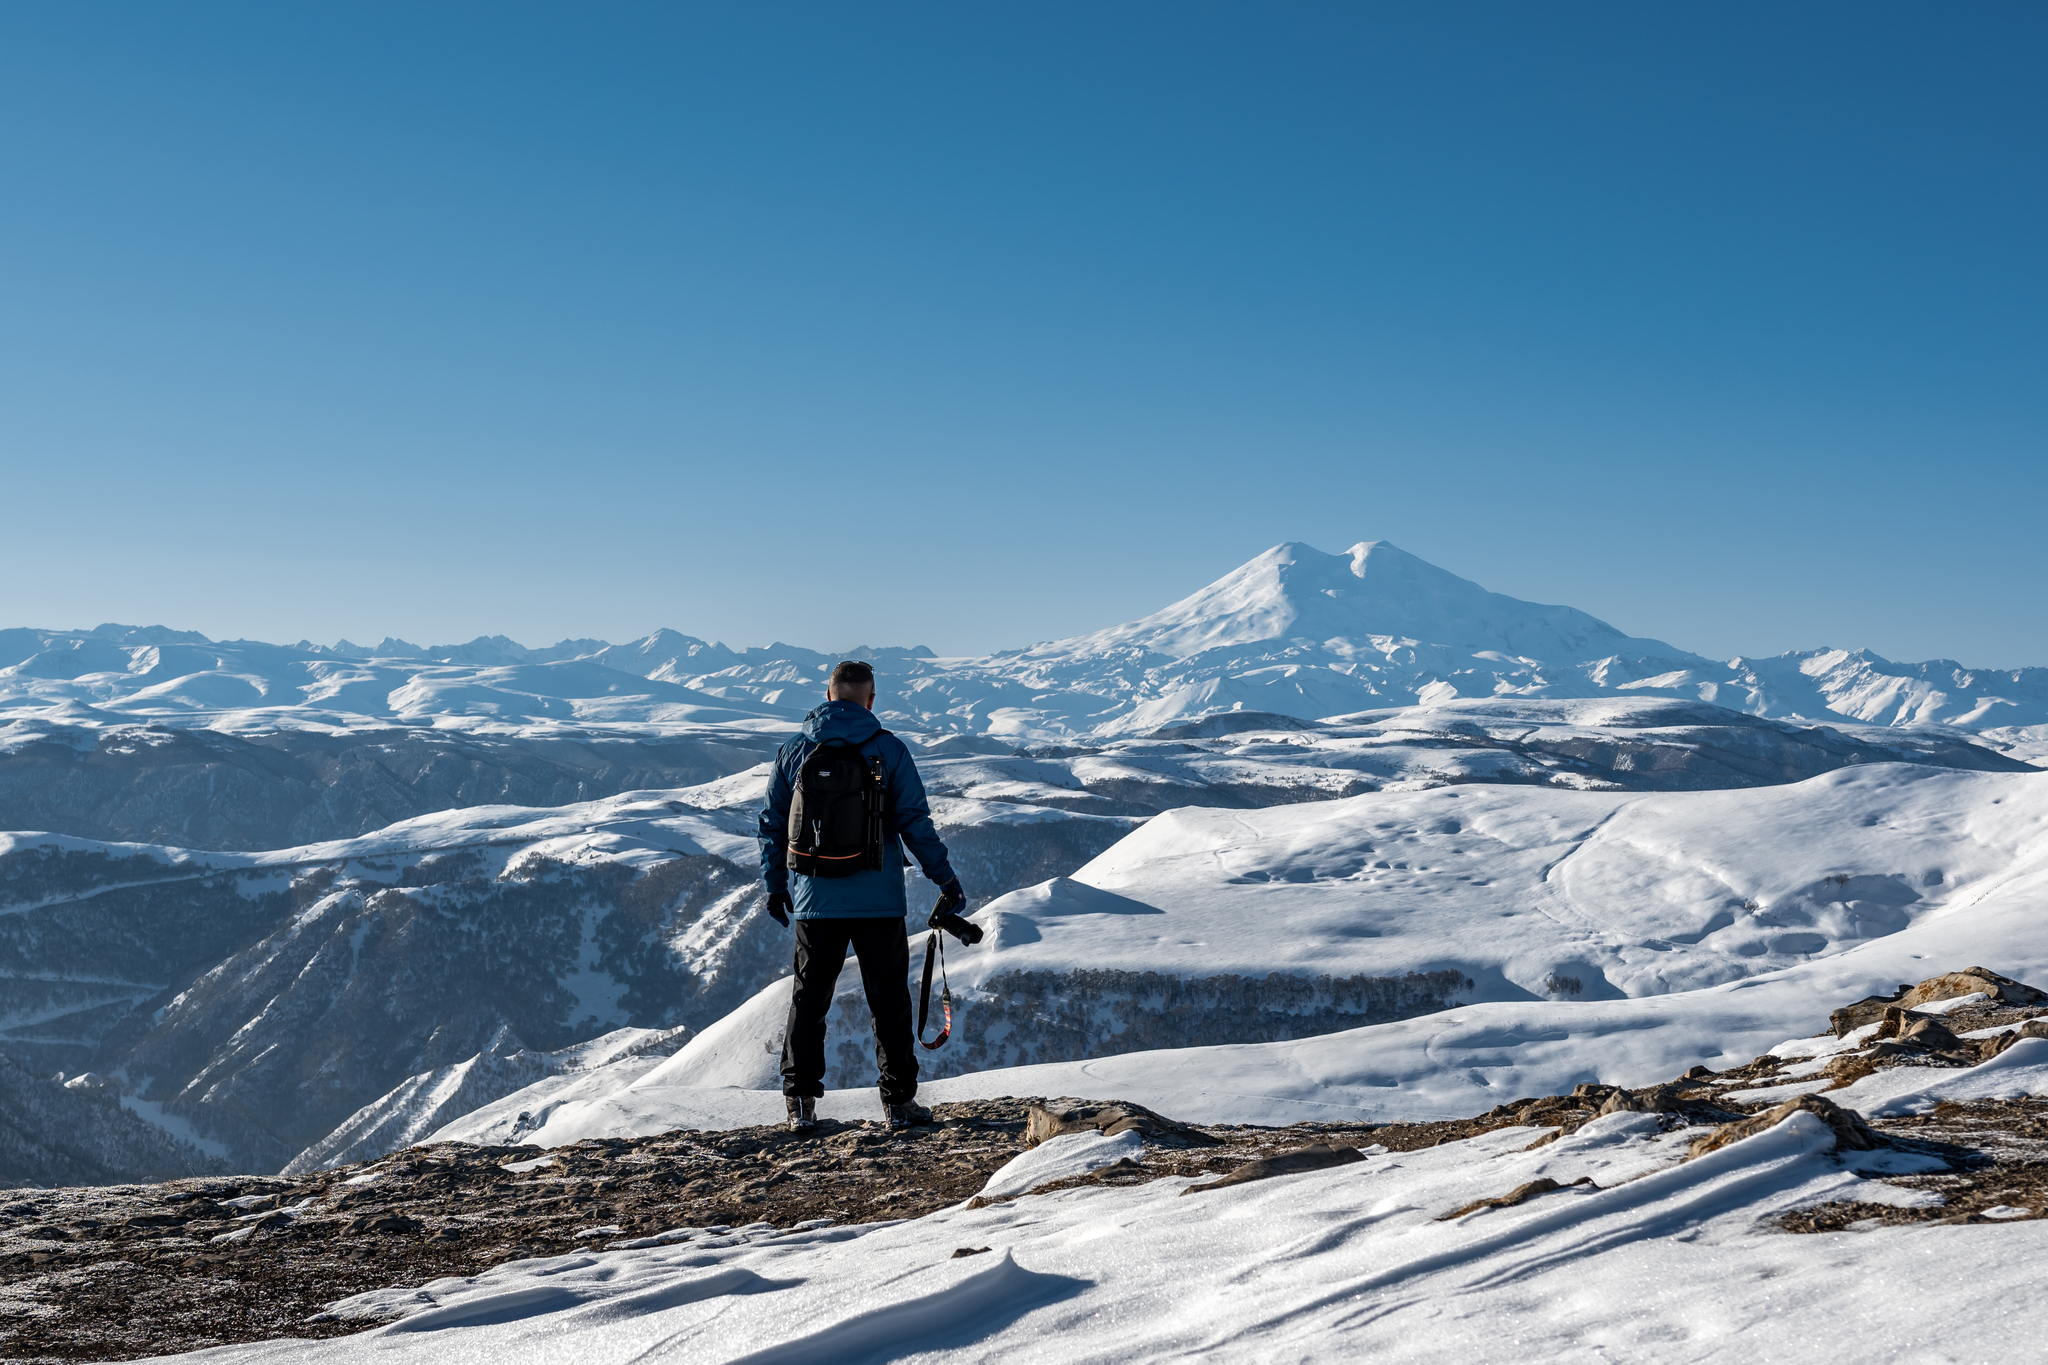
(1633, 1253)
(1295, 632)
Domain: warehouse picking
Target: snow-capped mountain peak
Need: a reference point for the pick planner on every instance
(1373, 591)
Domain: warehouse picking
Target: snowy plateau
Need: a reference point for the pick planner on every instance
(1339, 838)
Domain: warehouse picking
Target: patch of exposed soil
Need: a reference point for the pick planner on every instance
(1998, 1153)
(118, 1272)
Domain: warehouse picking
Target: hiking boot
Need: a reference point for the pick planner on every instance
(803, 1113)
(907, 1114)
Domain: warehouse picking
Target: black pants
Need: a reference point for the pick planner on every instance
(884, 953)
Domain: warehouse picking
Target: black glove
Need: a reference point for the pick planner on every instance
(778, 907)
(946, 914)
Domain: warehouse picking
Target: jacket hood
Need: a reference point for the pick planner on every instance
(841, 720)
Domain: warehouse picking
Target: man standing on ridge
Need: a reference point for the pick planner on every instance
(844, 800)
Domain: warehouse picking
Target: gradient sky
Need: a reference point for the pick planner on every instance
(975, 325)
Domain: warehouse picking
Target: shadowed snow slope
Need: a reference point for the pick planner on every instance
(1618, 938)
(349, 996)
(1651, 1258)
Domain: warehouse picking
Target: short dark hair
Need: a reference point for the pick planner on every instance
(852, 676)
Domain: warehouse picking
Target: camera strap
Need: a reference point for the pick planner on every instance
(933, 948)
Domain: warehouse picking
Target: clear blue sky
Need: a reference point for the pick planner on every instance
(974, 325)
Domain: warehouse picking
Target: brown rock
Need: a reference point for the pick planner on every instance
(1930, 1033)
(1519, 1194)
(1316, 1157)
(1851, 1132)
(1043, 1121)
(1991, 1047)
(1850, 1069)
(1657, 1099)
(1869, 1009)
(1948, 986)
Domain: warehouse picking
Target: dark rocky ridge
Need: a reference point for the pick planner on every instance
(52, 1133)
(202, 789)
(363, 973)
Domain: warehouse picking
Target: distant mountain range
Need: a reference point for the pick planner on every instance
(1295, 632)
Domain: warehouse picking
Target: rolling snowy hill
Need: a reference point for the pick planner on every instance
(1536, 938)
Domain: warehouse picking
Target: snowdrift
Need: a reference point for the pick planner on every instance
(1637, 1253)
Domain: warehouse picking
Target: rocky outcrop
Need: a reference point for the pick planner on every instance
(2033, 1028)
(1947, 986)
(1520, 1194)
(1062, 1117)
(1852, 1134)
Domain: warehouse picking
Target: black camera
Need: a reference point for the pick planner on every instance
(961, 928)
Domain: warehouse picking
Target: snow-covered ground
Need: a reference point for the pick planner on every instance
(1700, 927)
(1654, 1257)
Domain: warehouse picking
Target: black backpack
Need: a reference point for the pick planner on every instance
(837, 818)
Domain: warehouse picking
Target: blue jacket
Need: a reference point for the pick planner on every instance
(864, 894)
